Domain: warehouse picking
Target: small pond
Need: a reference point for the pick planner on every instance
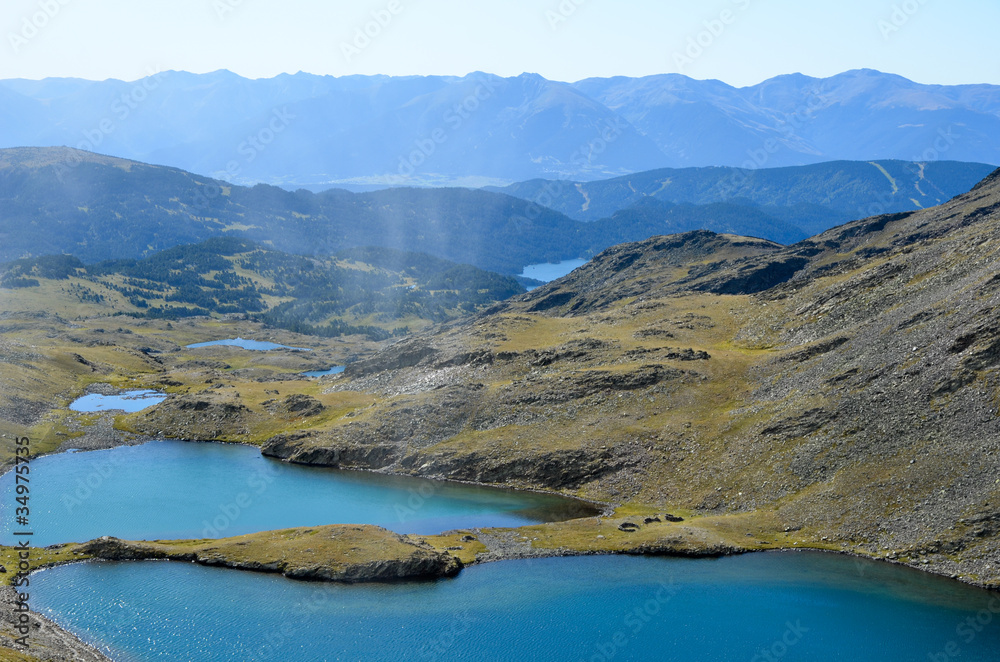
(336, 370)
(549, 272)
(129, 401)
(256, 345)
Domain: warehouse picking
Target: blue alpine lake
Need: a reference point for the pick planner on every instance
(763, 607)
(170, 490)
(256, 345)
(549, 272)
(129, 401)
(336, 370)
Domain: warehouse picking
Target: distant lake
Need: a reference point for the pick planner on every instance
(549, 272)
(793, 607)
(173, 490)
(129, 401)
(256, 345)
(336, 370)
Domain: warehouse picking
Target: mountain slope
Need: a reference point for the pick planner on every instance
(55, 200)
(807, 195)
(372, 291)
(838, 393)
(320, 131)
(64, 201)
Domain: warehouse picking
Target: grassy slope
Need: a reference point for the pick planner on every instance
(11, 655)
(48, 361)
(697, 445)
(392, 291)
(853, 407)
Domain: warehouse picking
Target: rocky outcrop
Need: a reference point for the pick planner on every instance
(206, 415)
(756, 277)
(579, 385)
(295, 405)
(325, 450)
(339, 553)
(402, 354)
(555, 469)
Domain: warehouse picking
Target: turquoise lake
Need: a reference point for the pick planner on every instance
(763, 607)
(552, 271)
(336, 370)
(242, 343)
(175, 490)
(129, 401)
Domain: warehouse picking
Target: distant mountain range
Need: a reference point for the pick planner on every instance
(58, 200)
(362, 131)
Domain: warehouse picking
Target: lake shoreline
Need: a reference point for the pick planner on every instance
(102, 435)
(62, 642)
(47, 637)
(106, 437)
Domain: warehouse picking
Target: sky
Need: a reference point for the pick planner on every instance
(741, 42)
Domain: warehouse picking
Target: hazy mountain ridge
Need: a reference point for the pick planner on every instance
(856, 115)
(313, 131)
(63, 201)
(843, 190)
(58, 200)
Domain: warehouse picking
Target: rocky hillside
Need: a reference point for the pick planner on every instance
(844, 389)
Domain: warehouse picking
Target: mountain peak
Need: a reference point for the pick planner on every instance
(990, 181)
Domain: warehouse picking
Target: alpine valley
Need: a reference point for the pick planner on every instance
(741, 365)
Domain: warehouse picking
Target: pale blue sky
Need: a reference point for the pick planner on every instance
(930, 41)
